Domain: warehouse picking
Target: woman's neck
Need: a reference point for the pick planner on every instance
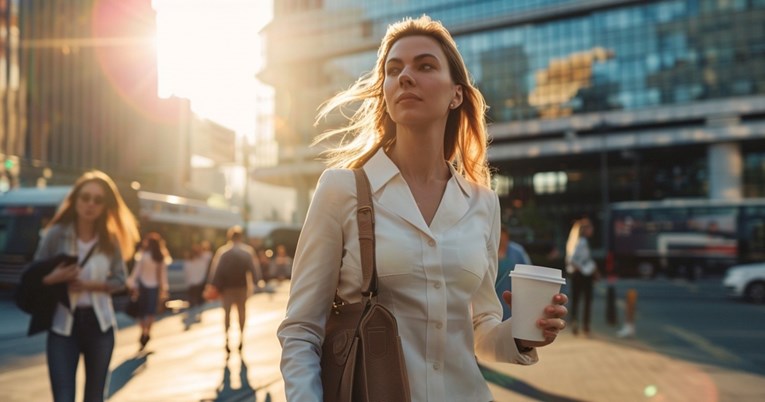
(86, 231)
(419, 156)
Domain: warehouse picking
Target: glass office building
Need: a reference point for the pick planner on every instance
(591, 102)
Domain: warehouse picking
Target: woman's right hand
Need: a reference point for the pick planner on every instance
(62, 273)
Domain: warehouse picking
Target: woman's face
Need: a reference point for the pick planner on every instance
(586, 229)
(418, 87)
(91, 202)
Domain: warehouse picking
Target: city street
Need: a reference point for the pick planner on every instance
(694, 321)
(180, 365)
(692, 344)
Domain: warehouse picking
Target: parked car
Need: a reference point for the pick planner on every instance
(746, 281)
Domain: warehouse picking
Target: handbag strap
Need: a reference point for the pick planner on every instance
(87, 256)
(365, 216)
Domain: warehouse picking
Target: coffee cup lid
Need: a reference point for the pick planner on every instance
(538, 273)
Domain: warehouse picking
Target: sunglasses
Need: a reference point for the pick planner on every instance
(87, 197)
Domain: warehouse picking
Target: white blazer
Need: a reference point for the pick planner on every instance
(438, 280)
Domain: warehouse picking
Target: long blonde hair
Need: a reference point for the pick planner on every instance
(574, 235)
(370, 127)
(116, 225)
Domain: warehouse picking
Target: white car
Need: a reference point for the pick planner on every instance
(746, 281)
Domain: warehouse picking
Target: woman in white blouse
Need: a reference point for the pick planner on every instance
(92, 217)
(148, 281)
(420, 136)
(583, 272)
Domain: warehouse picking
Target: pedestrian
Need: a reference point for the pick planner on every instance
(195, 273)
(93, 219)
(583, 272)
(148, 282)
(419, 133)
(510, 253)
(281, 265)
(265, 262)
(230, 266)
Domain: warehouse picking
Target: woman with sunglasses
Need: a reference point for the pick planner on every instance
(93, 221)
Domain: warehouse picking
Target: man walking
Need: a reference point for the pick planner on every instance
(230, 266)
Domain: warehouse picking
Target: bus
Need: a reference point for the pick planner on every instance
(24, 212)
(686, 237)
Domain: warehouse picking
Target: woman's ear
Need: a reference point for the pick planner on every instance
(457, 98)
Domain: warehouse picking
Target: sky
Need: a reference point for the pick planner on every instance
(209, 51)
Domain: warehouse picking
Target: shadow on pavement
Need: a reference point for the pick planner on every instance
(123, 373)
(245, 392)
(520, 387)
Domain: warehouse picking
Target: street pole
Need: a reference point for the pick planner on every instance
(246, 196)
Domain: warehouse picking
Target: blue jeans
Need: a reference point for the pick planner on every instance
(64, 355)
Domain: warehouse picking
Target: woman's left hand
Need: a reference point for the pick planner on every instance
(552, 322)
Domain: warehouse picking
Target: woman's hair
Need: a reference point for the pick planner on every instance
(116, 225)
(155, 244)
(370, 126)
(574, 235)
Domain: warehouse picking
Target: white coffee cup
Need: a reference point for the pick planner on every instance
(533, 289)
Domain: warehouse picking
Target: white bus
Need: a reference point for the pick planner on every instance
(181, 222)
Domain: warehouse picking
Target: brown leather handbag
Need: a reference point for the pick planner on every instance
(362, 359)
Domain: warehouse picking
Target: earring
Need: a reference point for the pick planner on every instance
(451, 106)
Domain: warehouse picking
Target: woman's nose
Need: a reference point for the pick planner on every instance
(405, 78)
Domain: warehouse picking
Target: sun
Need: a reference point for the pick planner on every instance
(209, 52)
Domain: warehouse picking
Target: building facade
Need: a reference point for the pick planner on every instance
(80, 92)
(591, 102)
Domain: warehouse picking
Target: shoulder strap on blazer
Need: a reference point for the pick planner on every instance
(365, 215)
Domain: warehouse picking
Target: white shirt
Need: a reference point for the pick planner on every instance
(84, 298)
(148, 272)
(582, 258)
(195, 270)
(438, 281)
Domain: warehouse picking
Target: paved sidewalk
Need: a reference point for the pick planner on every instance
(191, 365)
(599, 369)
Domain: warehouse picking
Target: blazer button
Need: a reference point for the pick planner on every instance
(431, 242)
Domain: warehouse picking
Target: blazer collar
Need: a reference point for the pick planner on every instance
(397, 196)
(380, 169)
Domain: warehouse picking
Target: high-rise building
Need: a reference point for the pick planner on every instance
(86, 76)
(591, 102)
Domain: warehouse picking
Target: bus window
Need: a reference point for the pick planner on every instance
(753, 234)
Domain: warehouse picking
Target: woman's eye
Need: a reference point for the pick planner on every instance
(393, 70)
(426, 67)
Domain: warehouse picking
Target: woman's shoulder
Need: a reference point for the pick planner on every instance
(483, 193)
(336, 181)
(56, 229)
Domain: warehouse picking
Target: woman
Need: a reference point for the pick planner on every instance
(281, 265)
(92, 217)
(582, 269)
(195, 272)
(148, 281)
(421, 138)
